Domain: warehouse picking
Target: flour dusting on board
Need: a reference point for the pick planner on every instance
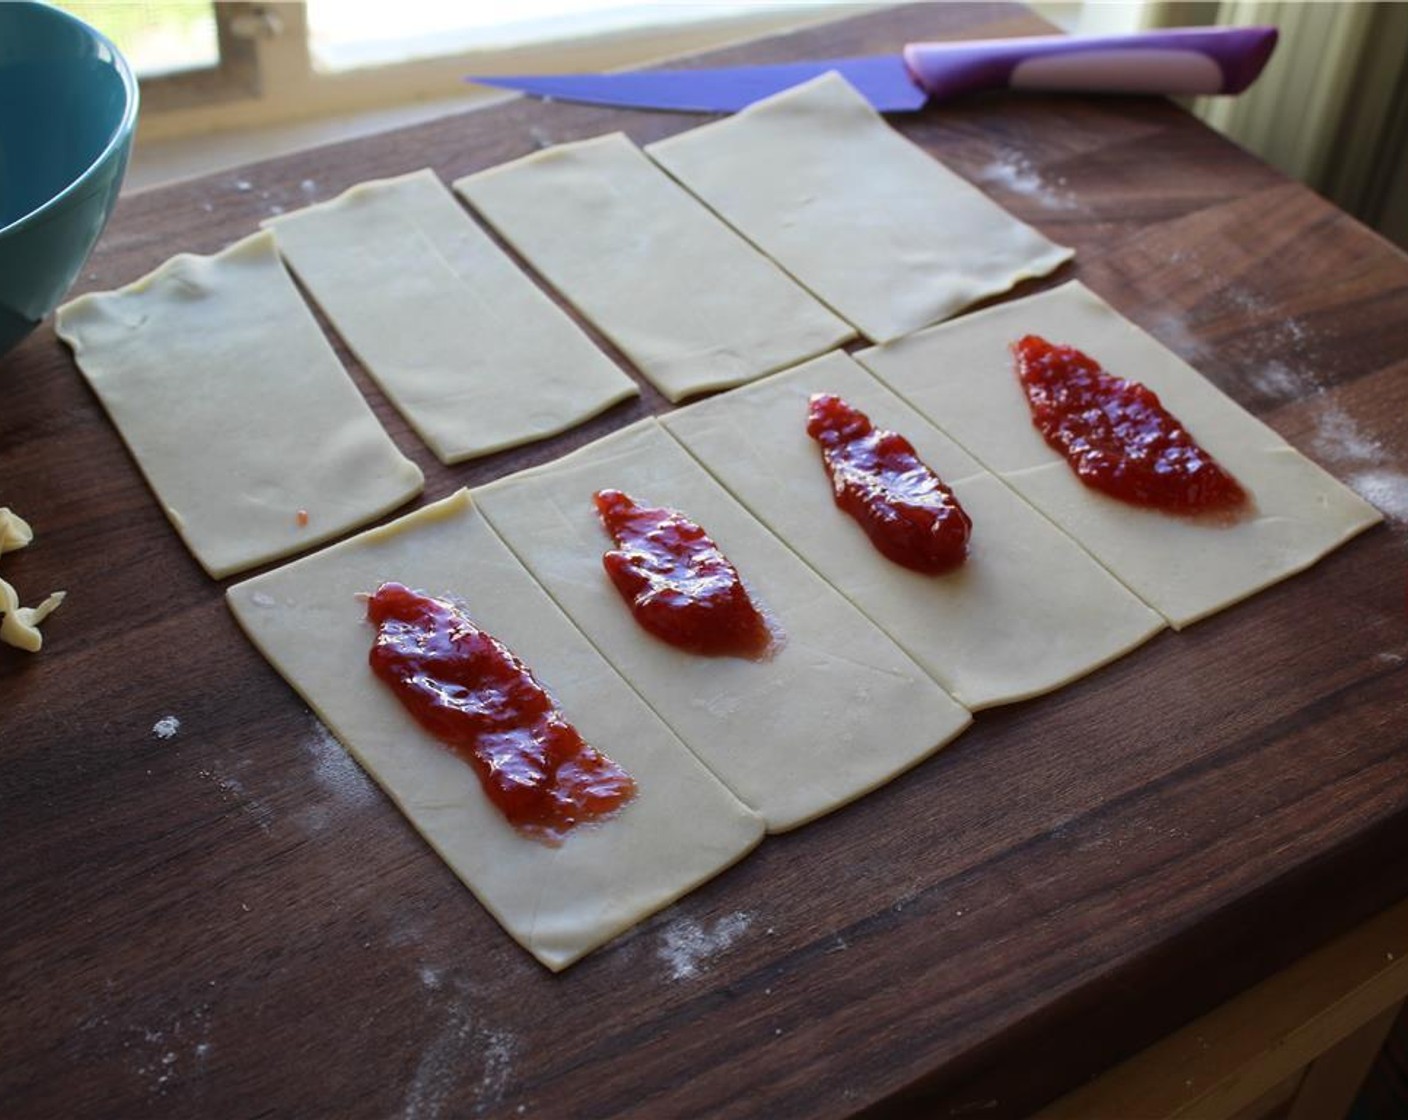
(1386, 490)
(432, 978)
(335, 769)
(461, 1060)
(1277, 380)
(1338, 438)
(169, 1053)
(438, 1071)
(166, 727)
(498, 1049)
(234, 791)
(1173, 332)
(687, 945)
(1015, 172)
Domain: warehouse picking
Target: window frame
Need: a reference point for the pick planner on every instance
(234, 76)
(269, 77)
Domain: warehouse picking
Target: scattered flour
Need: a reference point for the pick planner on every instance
(309, 186)
(1338, 438)
(432, 978)
(232, 789)
(243, 185)
(437, 1072)
(162, 1055)
(1276, 379)
(166, 727)
(1014, 172)
(1387, 490)
(460, 1053)
(499, 1049)
(687, 944)
(1173, 332)
(335, 769)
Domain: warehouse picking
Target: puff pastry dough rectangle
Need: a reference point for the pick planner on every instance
(883, 234)
(685, 298)
(682, 827)
(961, 376)
(235, 406)
(1028, 610)
(837, 711)
(468, 349)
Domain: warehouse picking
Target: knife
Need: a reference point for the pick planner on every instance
(1181, 61)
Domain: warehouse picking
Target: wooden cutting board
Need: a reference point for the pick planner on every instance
(232, 921)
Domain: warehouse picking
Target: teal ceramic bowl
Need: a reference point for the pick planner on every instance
(68, 108)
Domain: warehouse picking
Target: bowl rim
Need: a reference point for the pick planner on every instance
(120, 133)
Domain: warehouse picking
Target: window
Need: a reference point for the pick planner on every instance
(184, 52)
(158, 37)
(344, 36)
(232, 64)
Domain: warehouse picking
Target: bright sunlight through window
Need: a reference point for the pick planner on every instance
(344, 35)
(156, 37)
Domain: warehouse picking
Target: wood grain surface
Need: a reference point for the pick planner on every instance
(234, 922)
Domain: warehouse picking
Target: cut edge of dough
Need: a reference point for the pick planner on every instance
(1177, 621)
(627, 389)
(1037, 268)
(260, 242)
(775, 824)
(845, 331)
(1157, 620)
(456, 504)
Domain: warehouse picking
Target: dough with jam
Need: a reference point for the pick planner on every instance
(1028, 610)
(235, 407)
(686, 299)
(681, 828)
(960, 375)
(838, 710)
(878, 230)
(468, 349)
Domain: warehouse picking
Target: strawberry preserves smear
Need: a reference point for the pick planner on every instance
(470, 692)
(876, 477)
(679, 585)
(1116, 435)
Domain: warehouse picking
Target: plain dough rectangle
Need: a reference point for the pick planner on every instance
(836, 712)
(883, 234)
(235, 407)
(961, 376)
(1028, 611)
(691, 303)
(681, 828)
(466, 346)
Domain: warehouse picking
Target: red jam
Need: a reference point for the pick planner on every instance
(476, 697)
(903, 506)
(1116, 435)
(679, 585)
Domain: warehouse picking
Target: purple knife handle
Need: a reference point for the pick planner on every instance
(1179, 61)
